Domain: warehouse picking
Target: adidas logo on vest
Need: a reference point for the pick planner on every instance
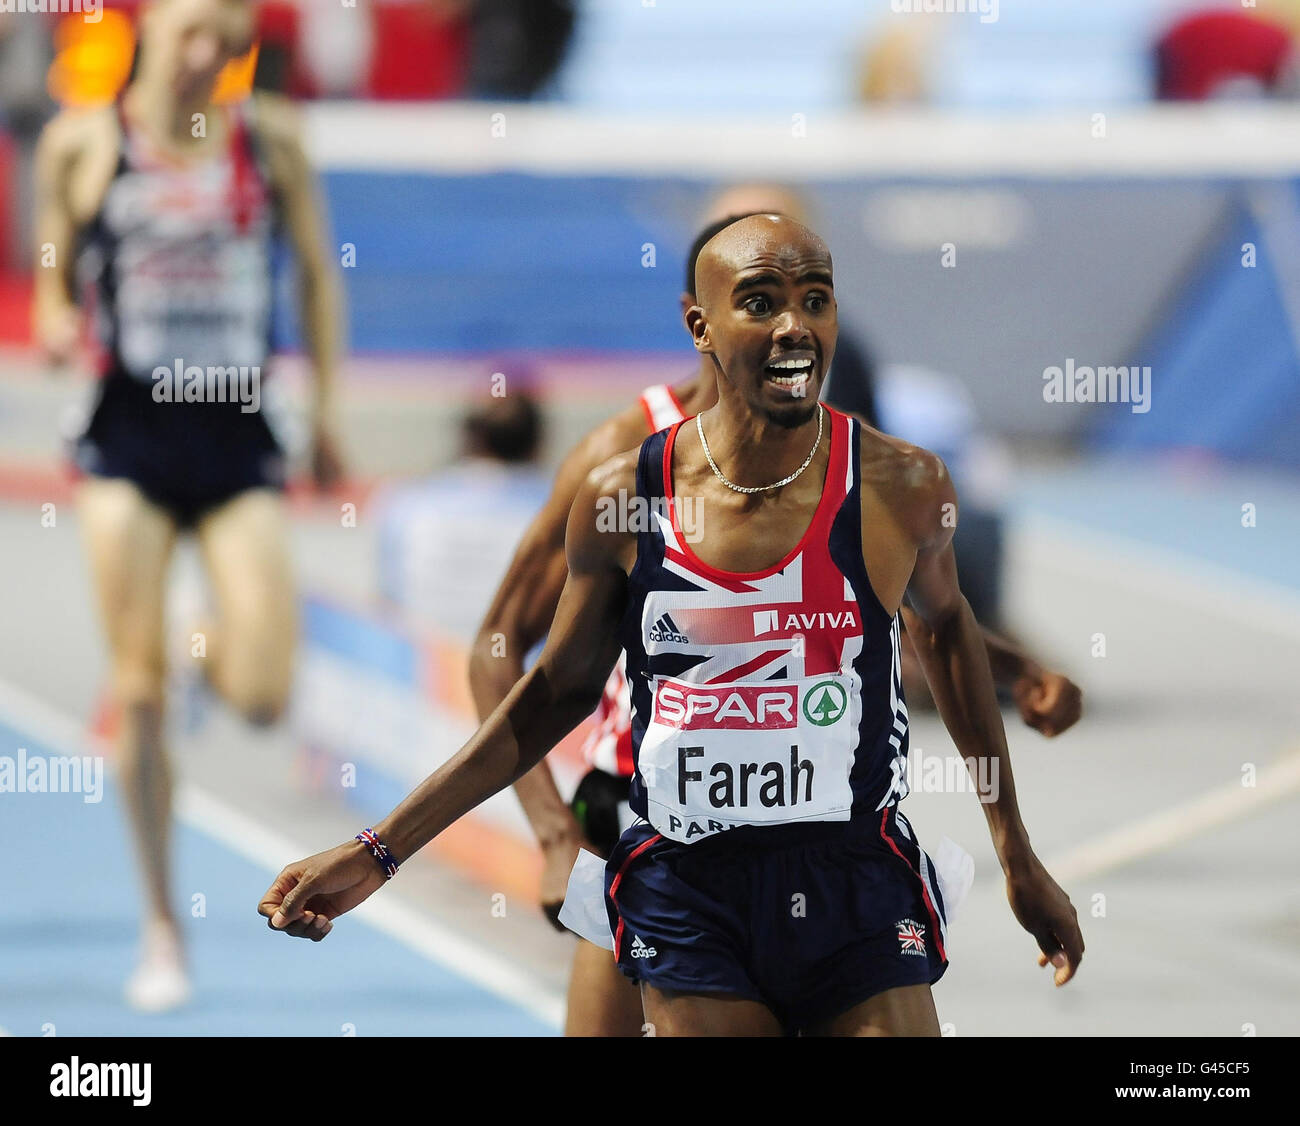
(665, 629)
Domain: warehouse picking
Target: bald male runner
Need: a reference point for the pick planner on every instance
(601, 1001)
(770, 883)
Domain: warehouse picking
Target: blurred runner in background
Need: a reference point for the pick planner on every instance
(176, 203)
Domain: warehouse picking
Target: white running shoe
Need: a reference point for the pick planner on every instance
(158, 988)
(160, 982)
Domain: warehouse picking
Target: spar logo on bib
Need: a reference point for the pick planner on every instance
(825, 702)
(732, 707)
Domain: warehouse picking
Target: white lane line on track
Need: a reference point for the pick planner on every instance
(1169, 827)
(1161, 573)
(254, 842)
(1176, 578)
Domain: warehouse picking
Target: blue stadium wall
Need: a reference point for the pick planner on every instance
(1225, 373)
(1104, 271)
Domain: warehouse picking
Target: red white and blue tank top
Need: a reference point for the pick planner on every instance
(766, 698)
(181, 257)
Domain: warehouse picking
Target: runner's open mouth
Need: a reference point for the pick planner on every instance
(790, 373)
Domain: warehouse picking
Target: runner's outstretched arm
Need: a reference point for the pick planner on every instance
(520, 615)
(551, 699)
(952, 654)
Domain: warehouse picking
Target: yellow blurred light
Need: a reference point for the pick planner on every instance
(92, 60)
(235, 82)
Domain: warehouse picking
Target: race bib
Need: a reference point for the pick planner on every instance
(717, 756)
(202, 310)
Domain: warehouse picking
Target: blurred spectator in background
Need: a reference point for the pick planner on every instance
(335, 44)
(409, 49)
(517, 45)
(386, 49)
(896, 60)
(419, 50)
(26, 50)
(1224, 53)
(416, 49)
(444, 541)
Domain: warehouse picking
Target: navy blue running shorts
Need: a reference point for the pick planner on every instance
(188, 458)
(810, 920)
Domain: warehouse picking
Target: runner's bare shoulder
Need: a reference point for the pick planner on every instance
(614, 477)
(620, 433)
(77, 126)
(276, 118)
(606, 514)
(278, 124)
(76, 157)
(911, 482)
(74, 133)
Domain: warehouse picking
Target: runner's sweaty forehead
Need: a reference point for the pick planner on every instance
(752, 243)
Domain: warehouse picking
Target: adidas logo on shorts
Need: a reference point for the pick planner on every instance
(640, 949)
(665, 629)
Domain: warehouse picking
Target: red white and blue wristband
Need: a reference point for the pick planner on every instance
(386, 862)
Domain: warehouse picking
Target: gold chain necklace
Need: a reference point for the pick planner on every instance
(699, 426)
